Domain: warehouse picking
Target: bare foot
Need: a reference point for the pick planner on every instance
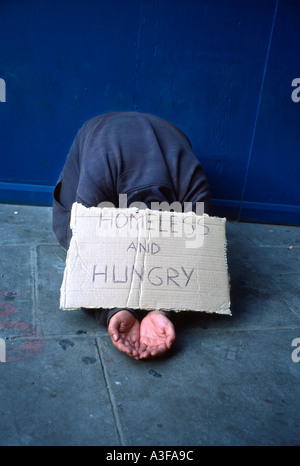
(124, 330)
(157, 334)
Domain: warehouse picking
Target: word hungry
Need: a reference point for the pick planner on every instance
(156, 276)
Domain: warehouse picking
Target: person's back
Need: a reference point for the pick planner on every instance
(149, 160)
(140, 155)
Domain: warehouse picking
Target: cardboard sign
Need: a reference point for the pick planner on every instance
(146, 259)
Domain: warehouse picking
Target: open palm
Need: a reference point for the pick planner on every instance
(156, 335)
(124, 330)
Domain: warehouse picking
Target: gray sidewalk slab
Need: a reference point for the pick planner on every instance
(227, 380)
(220, 388)
(50, 263)
(56, 397)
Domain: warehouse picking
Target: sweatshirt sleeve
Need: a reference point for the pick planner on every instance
(64, 195)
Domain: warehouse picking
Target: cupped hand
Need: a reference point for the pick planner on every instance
(124, 330)
(157, 334)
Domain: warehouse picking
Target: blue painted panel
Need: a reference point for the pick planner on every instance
(219, 69)
(274, 169)
(63, 63)
(200, 65)
(26, 194)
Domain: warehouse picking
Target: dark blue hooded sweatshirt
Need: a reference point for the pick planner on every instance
(130, 153)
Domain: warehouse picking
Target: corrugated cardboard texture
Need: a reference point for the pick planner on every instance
(145, 259)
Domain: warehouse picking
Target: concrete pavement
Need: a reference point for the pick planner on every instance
(227, 381)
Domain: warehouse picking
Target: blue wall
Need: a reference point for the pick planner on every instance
(222, 70)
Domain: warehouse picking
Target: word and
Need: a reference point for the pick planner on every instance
(152, 248)
(296, 351)
(156, 276)
(2, 90)
(296, 92)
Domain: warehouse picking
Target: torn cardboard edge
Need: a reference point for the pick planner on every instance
(162, 260)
